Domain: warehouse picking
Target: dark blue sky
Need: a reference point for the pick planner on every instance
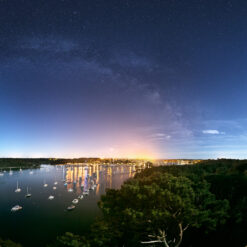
(147, 78)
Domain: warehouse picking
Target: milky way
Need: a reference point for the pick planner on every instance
(163, 79)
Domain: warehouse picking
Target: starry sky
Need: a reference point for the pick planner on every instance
(123, 78)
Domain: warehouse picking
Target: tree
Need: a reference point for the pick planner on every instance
(71, 240)
(8, 243)
(158, 209)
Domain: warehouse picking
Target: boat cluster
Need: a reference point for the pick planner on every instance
(10, 172)
(90, 180)
(51, 197)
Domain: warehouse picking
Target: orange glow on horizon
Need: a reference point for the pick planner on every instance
(122, 148)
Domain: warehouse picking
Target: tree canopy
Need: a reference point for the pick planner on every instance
(158, 209)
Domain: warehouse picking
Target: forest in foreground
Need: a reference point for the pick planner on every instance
(195, 205)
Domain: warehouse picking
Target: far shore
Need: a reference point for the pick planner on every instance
(32, 163)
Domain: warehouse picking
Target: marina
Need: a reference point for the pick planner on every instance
(55, 199)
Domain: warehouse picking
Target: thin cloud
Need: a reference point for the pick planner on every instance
(159, 137)
(213, 132)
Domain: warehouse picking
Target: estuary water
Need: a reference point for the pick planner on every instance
(40, 220)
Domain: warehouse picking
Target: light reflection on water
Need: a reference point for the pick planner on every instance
(81, 178)
(41, 220)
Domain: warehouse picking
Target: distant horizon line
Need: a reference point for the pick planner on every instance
(107, 158)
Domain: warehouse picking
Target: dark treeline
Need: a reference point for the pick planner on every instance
(32, 162)
(19, 162)
(8, 243)
(36, 162)
(195, 205)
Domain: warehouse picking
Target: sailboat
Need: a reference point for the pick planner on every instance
(85, 193)
(17, 188)
(10, 172)
(71, 207)
(55, 183)
(45, 184)
(75, 201)
(28, 194)
(16, 208)
(1, 174)
(64, 177)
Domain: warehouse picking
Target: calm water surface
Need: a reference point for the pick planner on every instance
(41, 220)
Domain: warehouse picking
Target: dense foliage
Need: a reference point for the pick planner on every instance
(199, 205)
(16, 162)
(36, 162)
(8, 243)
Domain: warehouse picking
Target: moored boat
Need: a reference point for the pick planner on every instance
(85, 193)
(71, 207)
(17, 188)
(45, 184)
(28, 194)
(16, 208)
(75, 201)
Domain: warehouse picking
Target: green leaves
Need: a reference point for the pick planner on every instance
(8, 243)
(144, 205)
(71, 240)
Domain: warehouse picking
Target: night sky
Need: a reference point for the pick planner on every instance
(123, 78)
